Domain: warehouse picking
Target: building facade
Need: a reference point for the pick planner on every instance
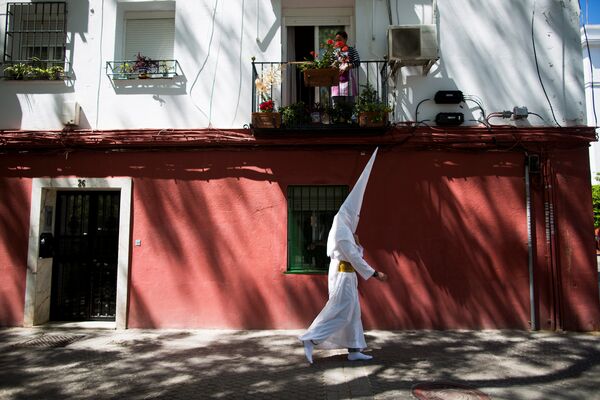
(590, 39)
(137, 188)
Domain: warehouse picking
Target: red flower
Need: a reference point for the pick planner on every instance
(345, 48)
(330, 41)
(267, 106)
(313, 53)
(339, 44)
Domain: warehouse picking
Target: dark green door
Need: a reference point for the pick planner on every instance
(84, 271)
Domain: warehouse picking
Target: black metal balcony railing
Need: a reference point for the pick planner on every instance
(131, 69)
(326, 106)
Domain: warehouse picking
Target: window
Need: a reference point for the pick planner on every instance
(304, 29)
(310, 214)
(36, 34)
(151, 34)
(145, 42)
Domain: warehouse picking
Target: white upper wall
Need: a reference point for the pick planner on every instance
(486, 51)
(591, 69)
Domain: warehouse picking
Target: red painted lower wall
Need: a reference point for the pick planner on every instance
(449, 228)
(15, 197)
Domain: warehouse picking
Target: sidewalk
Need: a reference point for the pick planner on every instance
(217, 364)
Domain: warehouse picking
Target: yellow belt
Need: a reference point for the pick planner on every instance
(345, 266)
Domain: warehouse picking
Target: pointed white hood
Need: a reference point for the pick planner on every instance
(346, 220)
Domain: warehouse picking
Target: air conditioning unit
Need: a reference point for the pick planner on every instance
(412, 44)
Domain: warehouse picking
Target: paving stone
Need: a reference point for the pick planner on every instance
(214, 364)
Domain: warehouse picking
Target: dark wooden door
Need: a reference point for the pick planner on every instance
(84, 270)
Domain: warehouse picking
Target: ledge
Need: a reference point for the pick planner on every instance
(306, 272)
(319, 130)
(409, 137)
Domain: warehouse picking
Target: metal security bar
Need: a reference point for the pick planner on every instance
(35, 40)
(310, 214)
(84, 270)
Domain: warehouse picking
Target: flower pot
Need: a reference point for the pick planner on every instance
(372, 119)
(315, 117)
(321, 77)
(266, 120)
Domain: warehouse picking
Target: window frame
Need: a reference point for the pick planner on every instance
(316, 18)
(298, 214)
(22, 47)
(143, 15)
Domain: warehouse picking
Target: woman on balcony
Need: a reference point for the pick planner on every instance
(348, 85)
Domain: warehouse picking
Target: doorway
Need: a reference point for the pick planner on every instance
(304, 43)
(85, 264)
(302, 40)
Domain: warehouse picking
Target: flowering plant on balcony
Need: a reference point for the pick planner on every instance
(264, 84)
(334, 55)
(267, 106)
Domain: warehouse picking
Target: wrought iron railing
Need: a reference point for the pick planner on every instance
(131, 69)
(302, 105)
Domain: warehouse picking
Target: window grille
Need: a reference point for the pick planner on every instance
(36, 34)
(310, 214)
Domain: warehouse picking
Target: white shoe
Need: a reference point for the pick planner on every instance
(358, 356)
(308, 349)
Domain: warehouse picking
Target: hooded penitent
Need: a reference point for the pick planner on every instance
(339, 324)
(345, 221)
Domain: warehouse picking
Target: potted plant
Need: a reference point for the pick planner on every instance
(318, 113)
(267, 117)
(370, 110)
(36, 70)
(340, 112)
(323, 70)
(16, 71)
(124, 71)
(145, 66)
(166, 69)
(295, 114)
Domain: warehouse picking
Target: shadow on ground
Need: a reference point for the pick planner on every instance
(270, 365)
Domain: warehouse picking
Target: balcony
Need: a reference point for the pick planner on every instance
(285, 99)
(143, 69)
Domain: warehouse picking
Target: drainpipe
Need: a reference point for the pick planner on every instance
(534, 160)
(553, 247)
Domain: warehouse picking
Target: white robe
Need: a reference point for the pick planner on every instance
(339, 324)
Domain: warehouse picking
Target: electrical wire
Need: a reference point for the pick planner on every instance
(500, 114)
(480, 107)
(537, 65)
(475, 100)
(417, 109)
(536, 114)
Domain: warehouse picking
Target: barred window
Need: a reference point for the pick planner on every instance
(310, 214)
(36, 34)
